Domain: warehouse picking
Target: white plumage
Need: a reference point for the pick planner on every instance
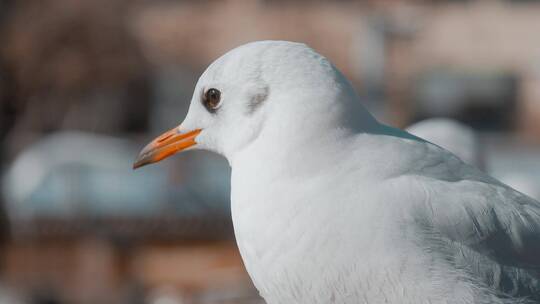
(330, 206)
(451, 135)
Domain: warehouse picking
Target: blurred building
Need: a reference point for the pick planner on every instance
(84, 84)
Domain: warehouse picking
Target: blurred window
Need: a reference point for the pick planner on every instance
(485, 101)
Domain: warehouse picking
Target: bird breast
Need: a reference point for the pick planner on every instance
(302, 243)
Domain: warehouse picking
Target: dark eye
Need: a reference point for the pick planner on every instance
(212, 100)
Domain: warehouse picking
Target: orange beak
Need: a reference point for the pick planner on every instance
(167, 144)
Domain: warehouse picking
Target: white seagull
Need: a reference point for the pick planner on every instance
(331, 206)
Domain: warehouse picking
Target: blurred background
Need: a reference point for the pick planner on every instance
(84, 84)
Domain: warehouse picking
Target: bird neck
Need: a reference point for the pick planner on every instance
(279, 152)
(305, 128)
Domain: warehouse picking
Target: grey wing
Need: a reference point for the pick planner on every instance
(488, 228)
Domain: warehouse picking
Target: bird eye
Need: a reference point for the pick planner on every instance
(212, 100)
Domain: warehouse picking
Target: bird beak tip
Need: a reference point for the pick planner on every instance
(136, 165)
(139, 162)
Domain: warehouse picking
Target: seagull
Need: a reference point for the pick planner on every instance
(331, 206)
(452, 135)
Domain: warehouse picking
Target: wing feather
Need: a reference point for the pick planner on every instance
(483, 224)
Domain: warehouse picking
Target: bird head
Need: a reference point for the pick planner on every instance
(279, 88)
